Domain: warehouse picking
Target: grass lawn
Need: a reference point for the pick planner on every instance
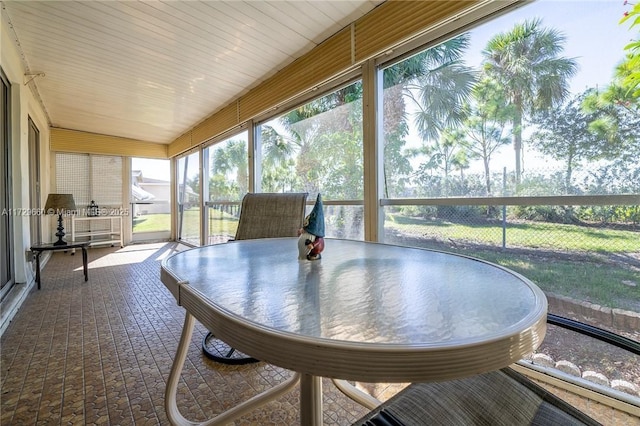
(530, 234)
(152, 222)
(220, 223)
(602, 284)
(567, 260)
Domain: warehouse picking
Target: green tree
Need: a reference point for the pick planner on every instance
(631, 79)
(314, 140)
(485, 126)
(276, 148)
(340, 174)
(564, 134)
(461, 162)
(615, 119)
(443, 155)
(229, 171)
(616, 116)
(526, 62)
(621, 91)
(617, 107)
(278, 164)
(442, 88)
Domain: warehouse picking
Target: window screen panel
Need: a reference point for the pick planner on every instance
(106, 180)
(72, 177)
(90, 177)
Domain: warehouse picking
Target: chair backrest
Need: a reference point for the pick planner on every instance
(271, 215)
(502, 397)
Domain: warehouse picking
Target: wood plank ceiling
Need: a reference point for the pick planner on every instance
(150, 70)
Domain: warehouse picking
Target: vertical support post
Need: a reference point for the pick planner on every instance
(372, 152)
(504, 209)
(254, 154)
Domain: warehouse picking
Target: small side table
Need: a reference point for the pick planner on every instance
(38, 248)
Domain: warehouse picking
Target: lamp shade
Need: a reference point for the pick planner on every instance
(59, 203)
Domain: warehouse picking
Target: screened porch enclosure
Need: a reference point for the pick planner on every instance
(429, 136)
(563, 208)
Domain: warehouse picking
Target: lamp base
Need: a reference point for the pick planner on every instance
(60, 233)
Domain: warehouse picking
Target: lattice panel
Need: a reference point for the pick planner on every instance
(90, 177)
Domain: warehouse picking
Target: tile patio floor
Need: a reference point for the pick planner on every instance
(100, 352)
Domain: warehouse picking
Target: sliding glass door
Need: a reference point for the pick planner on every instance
(150, 199)
(6, 218)
(34, 182)
(188, 197)
(226, 170)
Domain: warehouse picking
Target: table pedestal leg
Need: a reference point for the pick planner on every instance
(310, 400)
(171, 407)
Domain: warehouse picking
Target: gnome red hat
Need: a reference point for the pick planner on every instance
(314, 222)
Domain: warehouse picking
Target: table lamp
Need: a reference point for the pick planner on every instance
(59, 204)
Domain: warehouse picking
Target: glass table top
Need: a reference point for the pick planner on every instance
(360, 293)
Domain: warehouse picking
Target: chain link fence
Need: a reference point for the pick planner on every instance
(554, 227)
(586, 248)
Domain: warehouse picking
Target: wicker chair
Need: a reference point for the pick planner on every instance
(498, 398)
(269, 215)
(262, 215)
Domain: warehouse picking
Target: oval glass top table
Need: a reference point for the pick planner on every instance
(366, 311)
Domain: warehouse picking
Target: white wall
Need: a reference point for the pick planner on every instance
(23, 105)
(162, 200)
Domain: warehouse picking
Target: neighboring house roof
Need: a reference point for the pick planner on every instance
(156, 181)
(140, 194)
(139, 178)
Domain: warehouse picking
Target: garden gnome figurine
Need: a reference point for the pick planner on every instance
(311, 236)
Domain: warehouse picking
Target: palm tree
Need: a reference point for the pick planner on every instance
(526, 61)
(276, 149)
(437, 82)
(304, 145)
(229, 158)
(442, 87)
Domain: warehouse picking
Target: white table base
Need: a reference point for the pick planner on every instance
(356, 394)
(171, 407)
(310, 400)
(310, 391)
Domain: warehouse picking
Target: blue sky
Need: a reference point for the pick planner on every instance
(155, 169)
(593, 35)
